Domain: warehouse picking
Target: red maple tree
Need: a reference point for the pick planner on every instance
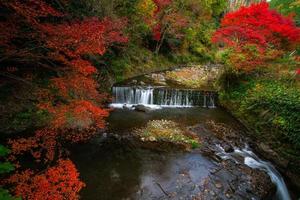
(260, 28)
(37, 34)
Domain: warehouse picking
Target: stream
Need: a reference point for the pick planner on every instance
(114, 169)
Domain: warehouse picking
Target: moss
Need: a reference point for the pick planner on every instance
(165, 130)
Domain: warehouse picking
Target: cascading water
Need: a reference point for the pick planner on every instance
(254, 161)
(161, 96)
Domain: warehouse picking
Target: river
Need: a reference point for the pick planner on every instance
(114, 170)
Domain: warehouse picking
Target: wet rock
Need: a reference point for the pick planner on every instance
(237, 181)
(227, 148)
(126, 107)
(231, 179)
(142, 108)
(208, 152)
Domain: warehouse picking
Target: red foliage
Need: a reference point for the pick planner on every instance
(160, 4)
(63, 43)
(31, 9)
(56, 183)
(156, 31)
(43, 146)
(90, 36)
(72, 99)
(81, 114)
(260, 27)
(164, 18)
(68, 43)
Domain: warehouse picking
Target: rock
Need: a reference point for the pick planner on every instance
(232, 179)
(266, 148)
(152, 139)
(134, 82)
(162, 83)
(142, 83)
(159, 79)
(236, 181)
(228, 195)
(227, 148)
(142, 108)
(218, 185)
(268, 153)
(126, 106)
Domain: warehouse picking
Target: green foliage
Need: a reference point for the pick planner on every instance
(287, 7)
(5, 167)
(213, 7)
(138, 57)
(136, 60)
(24, 119)
(269, 105)
(18, 109)
(218, 7)
(198, 40)
(4, 151)
(4, 195)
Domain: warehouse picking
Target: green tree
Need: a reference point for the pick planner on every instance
(287, 7)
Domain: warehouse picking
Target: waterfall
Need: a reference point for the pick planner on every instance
(161, 96)
(254, 161)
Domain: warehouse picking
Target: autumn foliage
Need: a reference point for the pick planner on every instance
(56, 183)
(72, 95)
(256, 34)
(36, 33)
(164, 20)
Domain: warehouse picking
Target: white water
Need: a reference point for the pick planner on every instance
(253, 161)
(158, 97)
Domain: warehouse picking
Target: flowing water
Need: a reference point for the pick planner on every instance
(253, 161)
(162, 96)
(113, 170)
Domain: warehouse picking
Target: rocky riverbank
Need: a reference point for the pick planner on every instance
(232, 178)
(227, 179)
(283, 155)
